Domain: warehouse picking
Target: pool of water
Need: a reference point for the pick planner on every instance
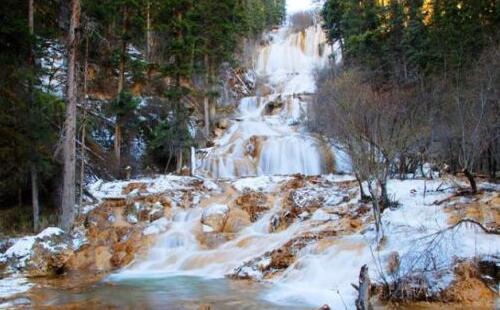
(175, 292)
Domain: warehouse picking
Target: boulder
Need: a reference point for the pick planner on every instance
(223, 123)
(254, 203)
(42, 255)
(236, 221)
(215, 216)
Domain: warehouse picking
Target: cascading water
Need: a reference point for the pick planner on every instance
(266, 136)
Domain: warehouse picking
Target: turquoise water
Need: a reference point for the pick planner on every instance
(177, 292)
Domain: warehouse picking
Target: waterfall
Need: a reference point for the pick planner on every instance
(267, 134)
(267, 138)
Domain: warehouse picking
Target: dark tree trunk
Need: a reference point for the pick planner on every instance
(69, 144)
(472, 181)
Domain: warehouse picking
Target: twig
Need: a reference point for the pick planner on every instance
(471, 221)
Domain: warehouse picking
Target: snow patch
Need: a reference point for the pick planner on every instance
(156, 227)
(265, 184)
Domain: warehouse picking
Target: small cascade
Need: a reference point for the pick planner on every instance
(177, 252)
(267, 134)
(267, 138)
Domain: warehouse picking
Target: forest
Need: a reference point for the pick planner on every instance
(417, 82)
(249, 154)
(139, 69)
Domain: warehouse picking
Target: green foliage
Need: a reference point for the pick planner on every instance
(400, 42)
(29, 117)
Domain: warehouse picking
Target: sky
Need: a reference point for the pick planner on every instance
(294, 6)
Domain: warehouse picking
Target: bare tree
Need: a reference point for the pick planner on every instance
(69, 144)
(470, 114)
(375, 126)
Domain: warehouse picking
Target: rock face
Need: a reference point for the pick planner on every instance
(42, 255)
(254, 203)
(223, 219)
(215, 216)
(279, 259)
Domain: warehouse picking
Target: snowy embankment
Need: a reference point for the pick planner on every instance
(307, 236)
(417, 234)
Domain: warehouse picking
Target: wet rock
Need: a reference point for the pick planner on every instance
(254, 203)
(215, 216)
(223, 123)
(279, 259)
(236, 221)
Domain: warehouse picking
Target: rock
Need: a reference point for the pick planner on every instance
(215, 216)
(223, 123)
(42, 255)
(254, 203)
(135, 186)
(236, 221)
(185, 171)
(218, 132)
(356, 223)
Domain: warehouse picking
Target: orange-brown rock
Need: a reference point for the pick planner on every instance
(132, 186)
(236, 221)
(254, 203)
(468, 288)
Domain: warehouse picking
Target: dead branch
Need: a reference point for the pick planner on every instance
(471, 221)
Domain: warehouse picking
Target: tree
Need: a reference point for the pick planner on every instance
(375, 126)
(69, 143)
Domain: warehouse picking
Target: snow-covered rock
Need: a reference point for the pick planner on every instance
(43, 254)
(215, 216)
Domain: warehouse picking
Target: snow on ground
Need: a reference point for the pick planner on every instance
(413, 230)
(265, 184)
(215, 209)
(159, 184)
(156, 227)
(21, 250)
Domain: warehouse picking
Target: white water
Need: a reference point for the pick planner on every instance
(259, 141)
(265, 141)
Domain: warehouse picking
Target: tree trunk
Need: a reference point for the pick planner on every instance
(362, 193)
(363, 300)
(149, 43)
(69, 145)
(84, 122)
(492, 164)
(34, 195)
(179, 162)
(121, 84)
(206, 103)
(31, 16)
(376, 210)
(471, 179)
(33, 171)
(384, 197)
(117, 147)
(193, 161)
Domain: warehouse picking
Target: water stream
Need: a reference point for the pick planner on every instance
(265, 136)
